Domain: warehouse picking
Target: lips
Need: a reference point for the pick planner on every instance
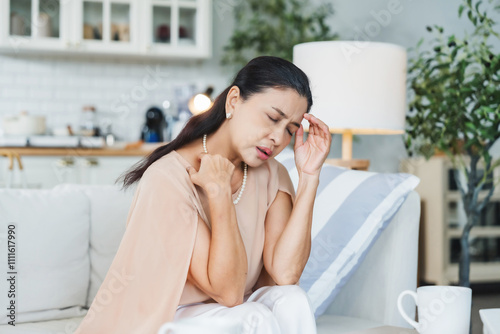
(265, 150)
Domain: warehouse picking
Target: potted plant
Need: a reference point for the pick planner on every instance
(272, 28)
(454, 108)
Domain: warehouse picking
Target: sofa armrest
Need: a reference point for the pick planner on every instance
(389, 268)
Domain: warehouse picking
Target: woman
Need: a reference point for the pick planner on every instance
(215, 228)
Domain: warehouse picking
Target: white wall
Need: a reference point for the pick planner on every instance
(404, 28)
(59, 87)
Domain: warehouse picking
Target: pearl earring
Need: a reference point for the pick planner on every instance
(229, 115)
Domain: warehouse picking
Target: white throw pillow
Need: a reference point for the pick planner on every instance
(350, 211)
(108, 217)
(49, 254)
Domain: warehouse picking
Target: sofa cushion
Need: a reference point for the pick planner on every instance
(350, 211)
(50, 260)
(62, 326)
(340, 324)
(109, 208)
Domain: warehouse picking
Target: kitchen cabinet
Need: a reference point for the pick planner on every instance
(48, 171)
(177, 28)
(145, 28)
(443, 221)
(105, 26)
(34, 25)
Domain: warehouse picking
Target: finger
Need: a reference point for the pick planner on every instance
(313, 119)
(320, 128)
(321, 125)
(190, 170)
(201, 155)
(324, 129)
(312, 129)
(320, 131)
(299, 137)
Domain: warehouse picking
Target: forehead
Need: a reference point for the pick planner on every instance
(284, 99)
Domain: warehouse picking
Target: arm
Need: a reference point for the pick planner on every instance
(219, 262)
(288, 232)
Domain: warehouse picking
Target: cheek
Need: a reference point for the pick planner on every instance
(287, 141)
(248, 134)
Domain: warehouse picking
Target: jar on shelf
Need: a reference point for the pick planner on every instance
(88, 121)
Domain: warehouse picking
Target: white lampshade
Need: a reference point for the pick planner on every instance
(356, 86)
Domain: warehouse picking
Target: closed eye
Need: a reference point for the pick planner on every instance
(275, 120)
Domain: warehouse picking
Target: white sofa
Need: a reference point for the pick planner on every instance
(367, 300)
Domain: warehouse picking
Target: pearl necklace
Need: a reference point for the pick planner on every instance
(244, 172)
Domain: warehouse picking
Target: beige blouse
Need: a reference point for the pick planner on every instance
(147, 279)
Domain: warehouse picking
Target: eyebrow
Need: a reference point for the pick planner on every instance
(285, 116)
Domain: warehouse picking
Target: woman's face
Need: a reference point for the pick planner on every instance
(266, 120)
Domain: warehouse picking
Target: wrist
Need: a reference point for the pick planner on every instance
(308, 178)
(307, 183)
(217, 192)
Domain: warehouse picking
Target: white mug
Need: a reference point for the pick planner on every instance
(441, 309)
(198, 325)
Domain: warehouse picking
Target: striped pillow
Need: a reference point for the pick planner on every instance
(350, 211)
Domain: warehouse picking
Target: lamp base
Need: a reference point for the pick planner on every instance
(357, 164)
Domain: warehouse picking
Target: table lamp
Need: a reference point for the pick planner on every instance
(358, 88)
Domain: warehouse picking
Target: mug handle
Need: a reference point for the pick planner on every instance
(402, 311)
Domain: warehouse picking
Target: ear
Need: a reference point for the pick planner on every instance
(232, 98)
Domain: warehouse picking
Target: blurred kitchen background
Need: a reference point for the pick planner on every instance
(134, 64)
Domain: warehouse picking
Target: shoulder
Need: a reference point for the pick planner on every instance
(271, 166)
(168, 162)
(276, 174)
(279, 179)
(167, 170)
(275, 168)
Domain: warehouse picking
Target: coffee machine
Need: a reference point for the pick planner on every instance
(153, 130)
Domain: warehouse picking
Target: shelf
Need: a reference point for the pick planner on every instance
(117, 150)
(443, 208)
(479, 272)
(187, 4)
(477, 231)
(457, 196)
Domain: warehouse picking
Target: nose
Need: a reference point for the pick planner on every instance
(277, 136)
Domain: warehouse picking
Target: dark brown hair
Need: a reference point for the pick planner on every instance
(259, 74)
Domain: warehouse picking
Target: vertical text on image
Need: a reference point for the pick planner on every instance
(11, 273)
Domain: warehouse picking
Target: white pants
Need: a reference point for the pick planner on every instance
(279, 309)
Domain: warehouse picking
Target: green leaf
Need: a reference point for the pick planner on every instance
(274, 27)
(471, 126)
(460, 10)
(420, 42)
(471, 18)
(477, 6)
